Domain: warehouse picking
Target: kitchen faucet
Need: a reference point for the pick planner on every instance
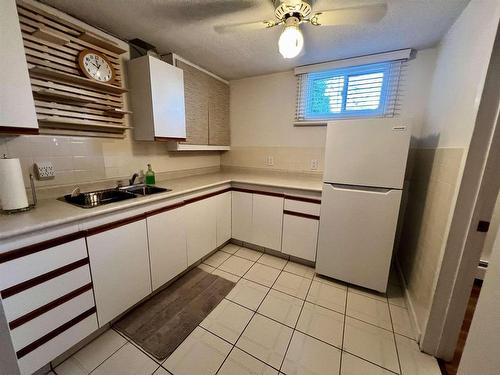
(132, 179)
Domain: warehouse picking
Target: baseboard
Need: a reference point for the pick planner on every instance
(409, 303)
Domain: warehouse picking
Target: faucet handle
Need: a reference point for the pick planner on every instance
(76, 191)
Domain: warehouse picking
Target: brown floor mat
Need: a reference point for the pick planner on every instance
(162, 323)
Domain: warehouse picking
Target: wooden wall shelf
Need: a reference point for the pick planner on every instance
(66, 77)
(66, 101)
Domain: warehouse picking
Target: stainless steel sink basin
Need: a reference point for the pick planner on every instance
(144, 189)
(98, 198)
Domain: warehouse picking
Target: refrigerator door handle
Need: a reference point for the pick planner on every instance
(368, 189)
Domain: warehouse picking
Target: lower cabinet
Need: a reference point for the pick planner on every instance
(300, 236)
(223, 211)
(119, 263)
(241, 216)
(201, 228)
(267, 221)
(167, 245)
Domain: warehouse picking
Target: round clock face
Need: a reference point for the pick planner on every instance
(96, 66)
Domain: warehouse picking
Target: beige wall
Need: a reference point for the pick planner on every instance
(440, 151)
(262, 115)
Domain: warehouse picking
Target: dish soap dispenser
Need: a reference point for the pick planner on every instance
(150, 176)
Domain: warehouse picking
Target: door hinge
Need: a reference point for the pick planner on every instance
(483, 226)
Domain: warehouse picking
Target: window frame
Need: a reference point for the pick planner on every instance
(380, 111)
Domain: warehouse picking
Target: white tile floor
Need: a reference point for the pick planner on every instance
(280, 318)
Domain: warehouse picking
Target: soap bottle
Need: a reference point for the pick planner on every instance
(150, 176)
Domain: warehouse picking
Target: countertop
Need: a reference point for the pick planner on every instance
(51, 212)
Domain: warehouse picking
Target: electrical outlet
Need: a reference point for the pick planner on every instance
(44, 170)
(314, 164)
(269, 160)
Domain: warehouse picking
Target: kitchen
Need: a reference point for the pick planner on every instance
(184, 168)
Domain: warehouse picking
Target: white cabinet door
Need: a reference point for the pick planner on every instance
(300, 236)
(167, 246)
(223, 210)
(119, 263)
(17, 108)
(241, 216)
(201, 229)
(267, 221)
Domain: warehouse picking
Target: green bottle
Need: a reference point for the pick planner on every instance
(150, 176)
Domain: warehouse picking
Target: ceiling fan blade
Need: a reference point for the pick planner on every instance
(350, 16)
(244, 26)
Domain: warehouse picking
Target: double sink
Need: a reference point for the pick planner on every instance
(100, 197)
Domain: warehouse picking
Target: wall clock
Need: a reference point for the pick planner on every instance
(96, 66)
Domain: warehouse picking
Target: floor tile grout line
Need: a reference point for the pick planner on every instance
(369, 361)
(343, 329)
(295, 327)
(137, 346)
(254, 313)
(394, 337)
(116, 351)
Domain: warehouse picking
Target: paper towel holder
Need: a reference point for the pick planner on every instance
(33, 195)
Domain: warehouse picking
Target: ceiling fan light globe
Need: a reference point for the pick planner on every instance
(291, 42)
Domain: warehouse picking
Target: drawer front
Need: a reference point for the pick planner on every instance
(27, 267)
(302, 207)
(57, 345)
(40, 326)
(40, 295)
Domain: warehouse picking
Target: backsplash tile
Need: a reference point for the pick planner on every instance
(81, 159)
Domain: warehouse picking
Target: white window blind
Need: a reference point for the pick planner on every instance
(370, 90)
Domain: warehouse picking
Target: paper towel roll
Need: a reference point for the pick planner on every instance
(12, 190)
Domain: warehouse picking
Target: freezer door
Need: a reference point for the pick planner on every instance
(356, 234)
(371, 152)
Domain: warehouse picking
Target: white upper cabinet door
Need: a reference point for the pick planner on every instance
(201, 228)
(119, 263)
(267, 221)
(167, 246)
(223, 211)
(300, 236)
(241, 216)
(157, 97)
(17, 108)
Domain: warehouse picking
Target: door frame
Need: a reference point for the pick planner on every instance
(476, 200)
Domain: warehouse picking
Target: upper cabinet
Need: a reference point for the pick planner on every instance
(206, 99)
(17, 108)
(157, 96)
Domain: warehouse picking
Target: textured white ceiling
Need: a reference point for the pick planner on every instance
(186, 28)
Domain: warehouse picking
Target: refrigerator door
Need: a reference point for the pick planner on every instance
(356, 234)
(371, 152)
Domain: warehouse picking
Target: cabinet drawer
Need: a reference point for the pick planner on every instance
(23, 268)
(302, 207)
(33, 298)
(64, 338)
(40, 326)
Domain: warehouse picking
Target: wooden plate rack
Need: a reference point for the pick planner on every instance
(66, 101)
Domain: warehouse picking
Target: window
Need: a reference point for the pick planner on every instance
(361, 91)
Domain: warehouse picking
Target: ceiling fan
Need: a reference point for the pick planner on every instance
(292, 13)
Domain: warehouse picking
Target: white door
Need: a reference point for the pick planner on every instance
(241, 216)
(356, 236)
(369, 152)
(201, 229)
(223, 210)
(300, 236)
(119, 264)
(267, 221)
(167, 246)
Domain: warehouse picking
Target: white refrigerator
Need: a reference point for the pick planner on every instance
(365, 162)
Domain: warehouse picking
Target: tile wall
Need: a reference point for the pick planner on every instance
(79, 159)
(288, 159)
(433, 181)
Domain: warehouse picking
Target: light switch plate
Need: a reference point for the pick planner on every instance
(44, 170)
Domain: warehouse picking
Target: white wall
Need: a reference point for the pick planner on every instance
(460, 72)
(481, 350)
